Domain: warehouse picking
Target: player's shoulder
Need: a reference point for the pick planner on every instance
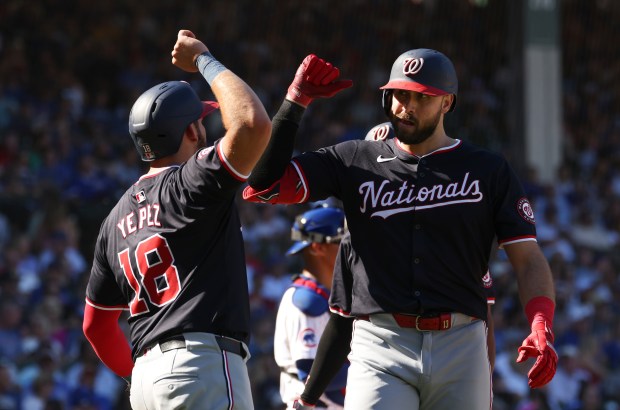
(482, 155)
(309, 297)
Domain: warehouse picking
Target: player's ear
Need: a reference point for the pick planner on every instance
(193, 132)
(446, 103)
(316, 248)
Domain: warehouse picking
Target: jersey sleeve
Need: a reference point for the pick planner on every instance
(514, 216)
(102, 290)
(323, 172)
(311, 176)
(208, 174)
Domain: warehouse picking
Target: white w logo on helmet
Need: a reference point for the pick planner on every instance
(412, 65)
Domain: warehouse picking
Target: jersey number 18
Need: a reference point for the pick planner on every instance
(160, 278)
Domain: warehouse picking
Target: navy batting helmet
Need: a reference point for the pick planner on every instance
(322, 225)
(160, 116)
(380, 132)
(423, 70)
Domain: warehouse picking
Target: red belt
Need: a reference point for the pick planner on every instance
(440, 321)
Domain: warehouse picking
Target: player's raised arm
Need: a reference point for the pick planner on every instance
(315, 78)
(247, 124)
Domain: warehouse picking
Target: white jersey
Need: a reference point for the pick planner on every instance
(300, 323)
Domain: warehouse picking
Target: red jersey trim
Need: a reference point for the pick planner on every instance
(154, 174)
(302, 179)
(231, 170)
(102, 307)
(340, 312)
(441, 150)
(517, 239)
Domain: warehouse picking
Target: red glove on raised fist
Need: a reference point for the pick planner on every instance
(539, 345)
(315, 78)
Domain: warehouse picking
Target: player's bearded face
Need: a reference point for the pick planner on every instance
(412, 130)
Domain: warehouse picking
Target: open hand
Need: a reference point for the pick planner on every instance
(538, 345)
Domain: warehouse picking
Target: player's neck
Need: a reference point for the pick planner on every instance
(433, 143)
(317, 277)
(159, 164)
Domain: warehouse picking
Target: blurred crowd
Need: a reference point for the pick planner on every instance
(70, 70)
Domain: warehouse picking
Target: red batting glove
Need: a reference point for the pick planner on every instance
(538, 345)
(315, 78)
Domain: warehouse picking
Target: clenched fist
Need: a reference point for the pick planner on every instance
(186, 50)
(315, 78)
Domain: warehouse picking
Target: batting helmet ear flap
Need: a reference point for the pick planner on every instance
(386, 102)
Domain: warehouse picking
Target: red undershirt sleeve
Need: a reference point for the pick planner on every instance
(102, 330)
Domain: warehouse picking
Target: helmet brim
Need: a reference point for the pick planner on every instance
(297, 247)
(413, 86)
(208, 107)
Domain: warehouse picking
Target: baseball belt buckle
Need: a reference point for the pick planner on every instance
(417, 325)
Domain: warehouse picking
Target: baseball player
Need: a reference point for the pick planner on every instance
(433, 206)
(381, 132)
(171, 252)
(304, 311)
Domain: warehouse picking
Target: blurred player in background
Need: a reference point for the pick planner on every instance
(171, 250)
(304, 310)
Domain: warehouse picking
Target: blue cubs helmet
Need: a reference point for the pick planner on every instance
(160, 116)
(380, 132)
(423, 70)
(322, 225)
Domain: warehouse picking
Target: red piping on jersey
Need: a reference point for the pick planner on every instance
(437, 151)
(154, 174)
(103, 307)
(228, 167)
(303, 179)
(311, 285)
(517, 239)
(340, 312)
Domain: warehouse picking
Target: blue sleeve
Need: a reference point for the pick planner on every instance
(336, 384)
(309, 302)
(303, 368)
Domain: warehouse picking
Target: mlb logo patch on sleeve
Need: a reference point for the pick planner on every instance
(140, 197)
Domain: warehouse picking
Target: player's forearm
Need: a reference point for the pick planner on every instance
(535, 280)
(247, 124)
(331, 355)
(532, 270)
(279, 151)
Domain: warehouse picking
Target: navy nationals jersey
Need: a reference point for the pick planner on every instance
(440, 213)
(168, 251)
